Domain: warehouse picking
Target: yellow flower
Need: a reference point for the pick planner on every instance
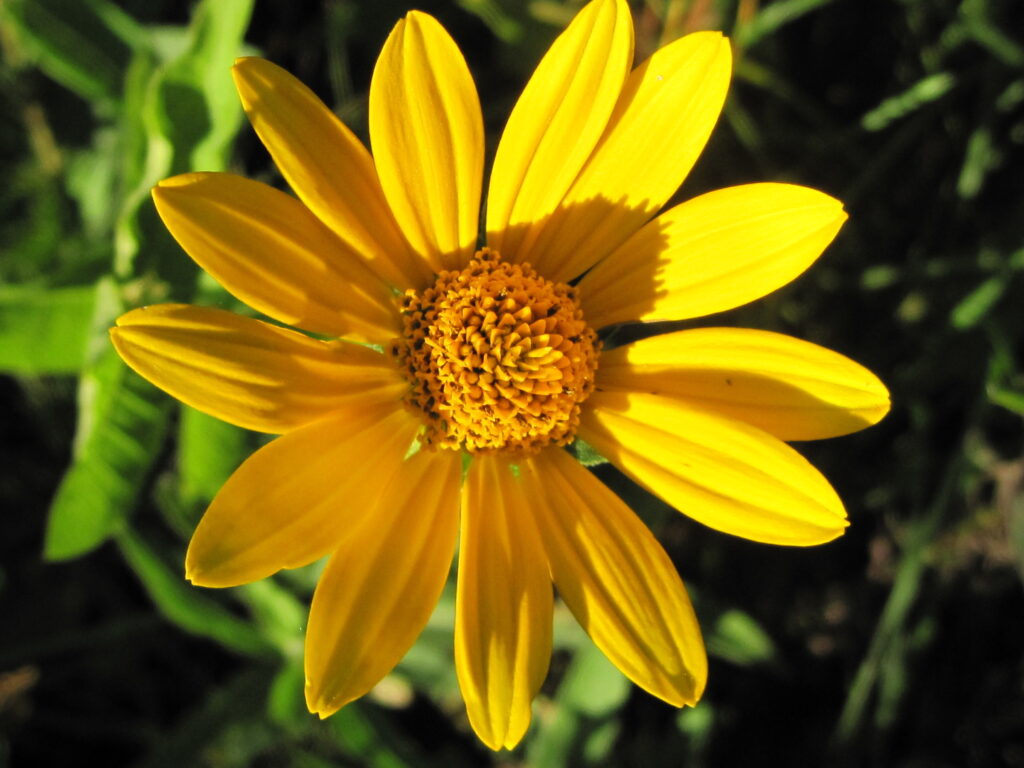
(490, 350)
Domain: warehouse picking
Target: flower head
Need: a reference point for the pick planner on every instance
(442, 345)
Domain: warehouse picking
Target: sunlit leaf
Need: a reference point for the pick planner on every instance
(122, 421)
(45, 331)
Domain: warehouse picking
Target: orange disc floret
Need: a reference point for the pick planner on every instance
(498, 358)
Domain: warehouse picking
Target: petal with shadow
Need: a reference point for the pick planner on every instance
(726, 474)
(503, 608)
(270, 251)
(616, 579)
(661, 122)
(382, 583)
(712, 253)
(299, 496)
(250, 373)
(790, 388)
(555, 125)
(427, 134)
(327, 167)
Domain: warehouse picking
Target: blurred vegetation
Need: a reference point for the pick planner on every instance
(898, 645)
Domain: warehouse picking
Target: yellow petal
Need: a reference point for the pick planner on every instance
(267, 249)
(503, 604)
(299, 496)
(712, 253)
(327, 166)
(616, 579)
(248, 372)
(382, 583)
(428, 140)
(555, 125)
(723, 473)
(662, 121)
(792, 389)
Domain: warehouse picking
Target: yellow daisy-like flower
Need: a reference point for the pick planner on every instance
(491, 352)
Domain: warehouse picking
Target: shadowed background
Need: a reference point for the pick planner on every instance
(900, 644)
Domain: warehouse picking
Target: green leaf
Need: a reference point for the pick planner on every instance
(32, 212)
(502, 25)
(45, 331)
(198, 107)
(187, 115)
(879, 277)
(209, 450)
(361, 737)
(922, 92)
(772, 17)
(590, 694)
(592, 685)
(286, 704)
(122, 422)
(988, 34)
(737, 638)
(975, 305)
(186, 606)
(72, 43)
(1011, 400)
(982, 158)
(698, 724)
(278, 614)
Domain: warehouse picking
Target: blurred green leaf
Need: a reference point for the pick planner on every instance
(590, 694)
(503, 26)
(1011, 400)
(697, 723)
(879, 277)
(360, 737)
(278, 614)
(982, 157)
(974, 306)
(771, 17)
(599, 742)
(186, 606)
(145, 158)
(45, 331)
(31, 211)
(984, 32)
(91, 180)
(71, 42)
(738, 638)
(209, 450)
(198, 106)
(286, 704)
(122, 421)
(592, 685)
(182, 115)
(922, 92)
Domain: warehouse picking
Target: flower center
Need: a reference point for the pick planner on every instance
(498, 358)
